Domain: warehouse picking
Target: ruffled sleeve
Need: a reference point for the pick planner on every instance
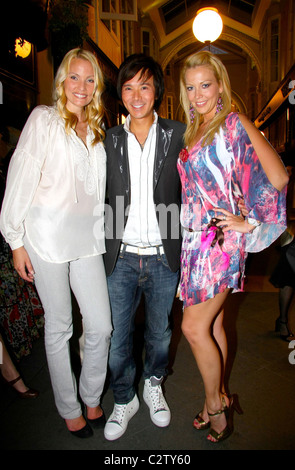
(263, 201)
(23, 176)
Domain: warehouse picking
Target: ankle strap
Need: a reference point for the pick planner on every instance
(12, 382)
(219, 412)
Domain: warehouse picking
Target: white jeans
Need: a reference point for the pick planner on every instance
(86, 277)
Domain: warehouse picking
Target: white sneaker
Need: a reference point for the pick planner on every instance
(154, 398)
(118, 421)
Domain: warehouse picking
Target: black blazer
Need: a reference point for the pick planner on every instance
(167, 190)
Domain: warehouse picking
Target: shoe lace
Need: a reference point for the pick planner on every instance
(118, 413)
(157, 398)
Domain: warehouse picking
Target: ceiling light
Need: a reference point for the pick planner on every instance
(207, 25)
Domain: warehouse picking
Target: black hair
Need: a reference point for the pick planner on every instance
(148, 67)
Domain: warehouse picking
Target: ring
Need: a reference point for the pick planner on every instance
(224, 217)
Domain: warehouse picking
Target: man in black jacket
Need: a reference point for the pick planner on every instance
(143, 239)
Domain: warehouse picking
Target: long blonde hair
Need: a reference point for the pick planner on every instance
(208, 59)
(94, 111)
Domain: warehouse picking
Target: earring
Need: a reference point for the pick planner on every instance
(219, 104)
(192, 113)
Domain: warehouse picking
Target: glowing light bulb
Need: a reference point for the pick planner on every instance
(207, 25)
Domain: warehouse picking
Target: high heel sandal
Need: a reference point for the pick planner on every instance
(200, 424)
(226, 432)
(278, 328)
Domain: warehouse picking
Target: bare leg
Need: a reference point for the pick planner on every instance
(196, 326)
(220, 338)
(9, 371)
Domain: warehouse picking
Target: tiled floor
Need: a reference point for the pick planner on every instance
(259, 373)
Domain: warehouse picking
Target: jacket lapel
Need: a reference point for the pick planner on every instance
(164, 137)
(163, 142)
(119, 141)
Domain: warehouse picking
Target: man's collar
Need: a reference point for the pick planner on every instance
(128, 119)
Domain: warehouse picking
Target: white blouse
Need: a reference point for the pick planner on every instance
(55, 191)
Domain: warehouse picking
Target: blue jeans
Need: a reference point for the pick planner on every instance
(132, 276)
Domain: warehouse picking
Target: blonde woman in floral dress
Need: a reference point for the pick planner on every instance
(226, 159)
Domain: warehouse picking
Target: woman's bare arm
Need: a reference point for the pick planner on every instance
(268, 157)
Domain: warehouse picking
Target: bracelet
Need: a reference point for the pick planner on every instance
(255, 223)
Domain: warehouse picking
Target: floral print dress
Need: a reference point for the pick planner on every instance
(215, 176)
(21, 312)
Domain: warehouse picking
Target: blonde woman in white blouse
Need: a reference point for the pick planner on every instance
(52, 217)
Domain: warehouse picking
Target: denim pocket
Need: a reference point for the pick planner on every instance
(164, 260)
